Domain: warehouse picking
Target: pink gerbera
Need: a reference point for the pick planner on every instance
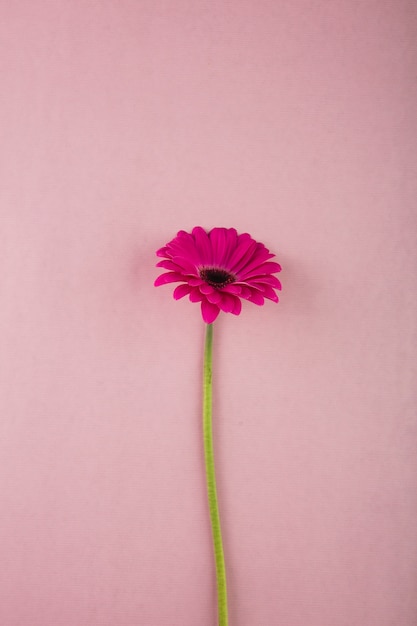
(218, 268)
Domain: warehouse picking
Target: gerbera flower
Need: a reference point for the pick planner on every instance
(219, 268)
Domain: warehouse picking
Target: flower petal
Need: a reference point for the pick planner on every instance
(195, 281)
(168, 265)
(245, 243)
(257, 298)
(214, 297)
(181, 291)
(203, 245)
(217, 238)
(266, 268)
(269, 280)
(237, 307)
(227, 303)
(232, 237)
(235, 289)
(209, 311)
(259, 256)
(195, 295)
(185, 264)
(168, 277)
(183, 246)
(245, 292)
(206, 288)
(267, 291)
(162, 251)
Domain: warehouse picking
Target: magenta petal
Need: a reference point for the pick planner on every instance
(195, 295)
(237, 307)
(184, 247)
(181, 291)
(245, 292)
(162, 251)
(185, 265)
(259, 256)
(269, 280)
(217, 238)
(245, 243)
(209, 311)
(195, 281)
(206, 288)
(231, 242)
(169, 277)
(235, 289)
(266, 268)
(214, 297)
(267, 291)
(203, 245)
(227, 303)
(246, 258)
(168, 265)
(257, 298)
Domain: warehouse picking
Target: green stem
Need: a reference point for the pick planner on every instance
(211, 480)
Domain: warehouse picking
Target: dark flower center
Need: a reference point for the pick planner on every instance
(216, 277)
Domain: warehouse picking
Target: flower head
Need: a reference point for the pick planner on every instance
(219, 268)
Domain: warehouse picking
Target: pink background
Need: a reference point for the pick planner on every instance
(121, 122)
